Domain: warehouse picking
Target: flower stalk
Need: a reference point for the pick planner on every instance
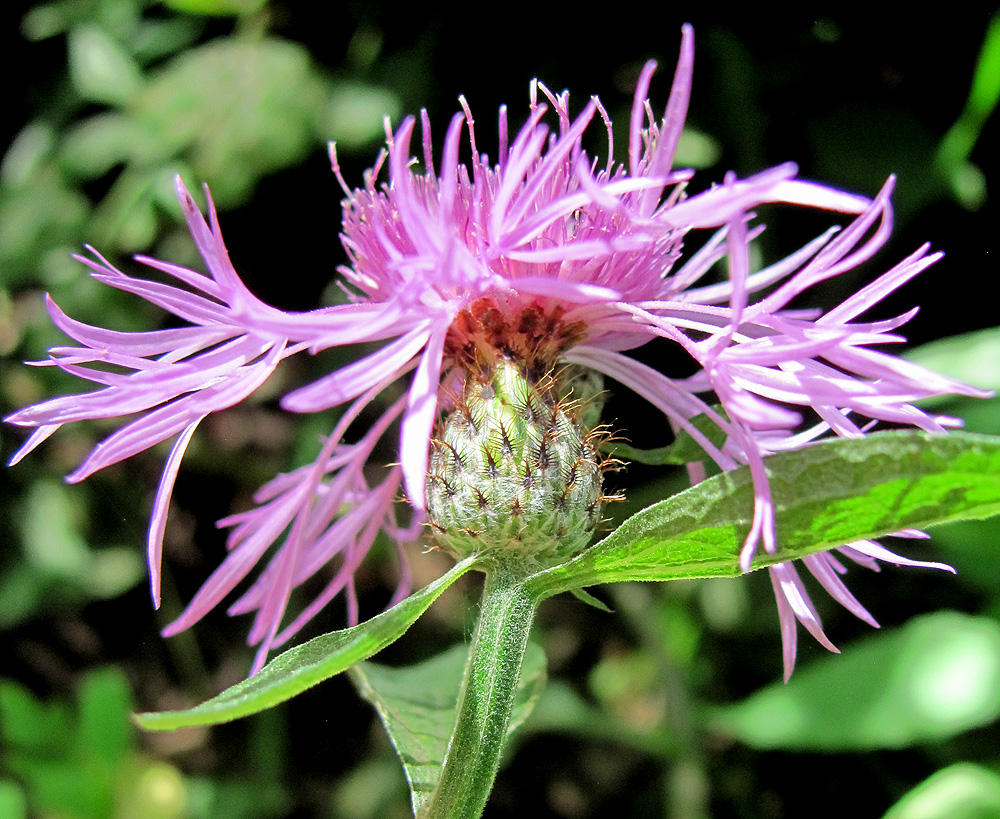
(486, 698)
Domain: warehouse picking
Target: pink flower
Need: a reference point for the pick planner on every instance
(549, 257)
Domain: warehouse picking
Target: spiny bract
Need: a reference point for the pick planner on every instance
(513, 470)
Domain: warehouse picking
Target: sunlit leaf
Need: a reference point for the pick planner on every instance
(933, 678)
(26, 153)
(971, 357)
(417, 706)
(824, 496)
(306, 665)
(156, 790)
(961, 791)
(97, 144)
(113, 571)
(50, 524)
(370, 789)
(696, 149)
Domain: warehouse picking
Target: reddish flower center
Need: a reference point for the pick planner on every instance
(533, 337)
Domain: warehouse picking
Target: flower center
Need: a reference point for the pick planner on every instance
(532, 337)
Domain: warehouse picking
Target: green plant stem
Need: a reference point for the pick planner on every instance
(486, 697)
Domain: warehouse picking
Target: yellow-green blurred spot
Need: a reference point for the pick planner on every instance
(724, 604)
(161, 789)
(696, 149)
(13, 802)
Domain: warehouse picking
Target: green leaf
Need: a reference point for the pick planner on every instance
(417, 706)
(95, 145)
(104, 731)
(27, 724)
(824, 496)
(50, 527)
(306, 665)
(586, 597)
(101, 68)
(985, 92)
(372, 789)
(961, 791)
(933, 678)
(113, 571)
(696, 149)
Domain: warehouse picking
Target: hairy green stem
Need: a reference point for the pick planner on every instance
(486, 698)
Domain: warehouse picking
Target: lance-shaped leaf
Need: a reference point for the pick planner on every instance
(824, 496)
(417, 706)
(306, 665)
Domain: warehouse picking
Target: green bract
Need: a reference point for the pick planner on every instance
(513, 470)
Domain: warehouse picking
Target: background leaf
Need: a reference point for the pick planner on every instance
(933, 678)
(417, 706)
(961, 791)
(971, 357)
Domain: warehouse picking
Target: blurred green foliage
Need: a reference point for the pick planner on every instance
(83, 761)
(144, 101)
(58, 567)
(960, 791)
(933, 678)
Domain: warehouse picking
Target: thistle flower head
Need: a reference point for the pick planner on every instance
(543, 258)
(513, 474)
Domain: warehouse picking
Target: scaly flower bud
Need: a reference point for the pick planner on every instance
(512, 470)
